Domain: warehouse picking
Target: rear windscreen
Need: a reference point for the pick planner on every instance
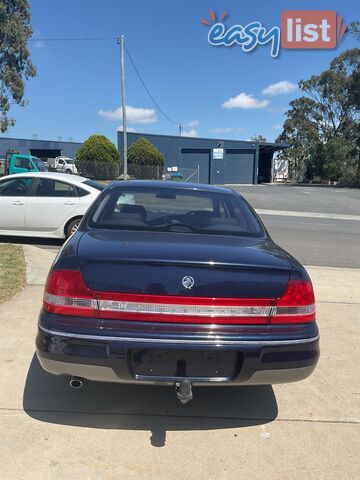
(39, 164)
(175, 210)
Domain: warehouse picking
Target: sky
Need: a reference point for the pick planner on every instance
(214, 92)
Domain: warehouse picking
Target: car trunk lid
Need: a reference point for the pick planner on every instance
(181, 264)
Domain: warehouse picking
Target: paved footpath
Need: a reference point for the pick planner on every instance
(304, 430)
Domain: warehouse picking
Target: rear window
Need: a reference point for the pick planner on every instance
(39, 164)
(174, 210)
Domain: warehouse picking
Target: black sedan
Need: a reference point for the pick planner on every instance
(177, 284)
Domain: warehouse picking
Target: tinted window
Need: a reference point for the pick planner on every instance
(81, 192)
(23, 163)
(175, 210)
(53, 188)
(40, 165)
(14, 187)
(91, 183)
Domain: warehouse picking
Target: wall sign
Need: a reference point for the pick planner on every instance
(218, 154)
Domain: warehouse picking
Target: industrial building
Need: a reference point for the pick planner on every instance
(218, 161)
(42, 149)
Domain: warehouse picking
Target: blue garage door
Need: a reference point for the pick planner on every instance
(239, 166)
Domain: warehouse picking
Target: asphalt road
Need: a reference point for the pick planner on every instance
(331, 243)
(313, 241)
(321, 199)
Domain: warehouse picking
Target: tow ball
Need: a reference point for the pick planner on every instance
(183, 391)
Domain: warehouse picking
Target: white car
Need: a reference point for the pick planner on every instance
(62, 165)
(44, 204)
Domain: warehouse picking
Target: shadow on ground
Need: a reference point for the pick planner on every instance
(39, 242)
(49, 398)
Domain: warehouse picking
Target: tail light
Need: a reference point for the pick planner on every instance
(297, 305)
(67, 294)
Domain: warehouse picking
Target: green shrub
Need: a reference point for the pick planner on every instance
(144, 160)
(98, 158)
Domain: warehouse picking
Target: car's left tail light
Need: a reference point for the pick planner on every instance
(66, 294)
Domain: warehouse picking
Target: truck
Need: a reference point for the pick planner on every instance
(62, 164)
(15, 162)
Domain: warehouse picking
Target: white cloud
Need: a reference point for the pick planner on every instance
(39, 44)
(190, 133)
(244, 100)
(278, 126)
(128, 129)
(193, 123)
(284, 86)
(227, 130)
(133, 114)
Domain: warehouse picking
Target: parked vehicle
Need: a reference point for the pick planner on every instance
(62, 165)
(182, 286)
(17, 163)
(43, 204)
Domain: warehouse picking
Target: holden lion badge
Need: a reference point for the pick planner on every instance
(188, 282)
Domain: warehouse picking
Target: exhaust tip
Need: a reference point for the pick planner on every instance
(76, 383)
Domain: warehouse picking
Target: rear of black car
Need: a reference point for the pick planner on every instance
(166, 283)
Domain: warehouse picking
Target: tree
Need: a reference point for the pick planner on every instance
(354, 29)
(300, 131)
(15, 63)
(258, 138)
(145, 160)
(323, 126)
(98, 158)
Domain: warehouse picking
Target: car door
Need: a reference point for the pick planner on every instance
(61, 165)
(22, 164)
(51, 204)
(13, 203)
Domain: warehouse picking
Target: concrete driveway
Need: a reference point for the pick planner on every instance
(303, 430)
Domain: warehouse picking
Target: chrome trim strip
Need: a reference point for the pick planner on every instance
(167, 378)
(209, 341)
(183, 309)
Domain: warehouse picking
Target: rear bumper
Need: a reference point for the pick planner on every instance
(262, 354)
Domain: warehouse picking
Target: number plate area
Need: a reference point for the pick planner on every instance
(181, 363)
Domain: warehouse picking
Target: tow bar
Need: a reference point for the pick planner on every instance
(183, 391)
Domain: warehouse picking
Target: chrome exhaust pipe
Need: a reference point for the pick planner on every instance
(76, 383)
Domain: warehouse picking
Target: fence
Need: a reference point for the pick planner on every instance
(143, 172)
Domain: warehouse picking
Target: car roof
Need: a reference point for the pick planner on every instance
(52, 175)
(173, 185)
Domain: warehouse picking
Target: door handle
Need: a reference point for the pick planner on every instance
(18, 202)
(69, 203)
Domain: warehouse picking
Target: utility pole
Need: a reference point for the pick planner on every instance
(123, 102)
(180, 129)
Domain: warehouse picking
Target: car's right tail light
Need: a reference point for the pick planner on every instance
(297, 304)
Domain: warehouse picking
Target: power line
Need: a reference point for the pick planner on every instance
(86, 39)
(70, 39)
(148, 91)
